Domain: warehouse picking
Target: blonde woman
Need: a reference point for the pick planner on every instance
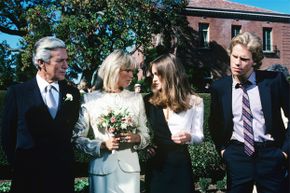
(175, 114)
(115, 165)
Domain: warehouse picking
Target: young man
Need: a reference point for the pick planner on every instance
(37, 124)
(245, 120)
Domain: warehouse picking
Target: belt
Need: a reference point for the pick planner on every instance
(263, 144)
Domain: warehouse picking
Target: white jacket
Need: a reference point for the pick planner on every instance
(95, 104)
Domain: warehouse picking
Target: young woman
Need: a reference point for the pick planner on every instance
(175, 114)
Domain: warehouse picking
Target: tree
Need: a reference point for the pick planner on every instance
(7, 69)
(13, 14)
(91, 29)
(16, 19)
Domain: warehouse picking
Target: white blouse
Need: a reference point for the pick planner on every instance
(190, 121)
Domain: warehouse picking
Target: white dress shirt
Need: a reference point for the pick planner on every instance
(190, 121)
(256, 109)
(42, 84)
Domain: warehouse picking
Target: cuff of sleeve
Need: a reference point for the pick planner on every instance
(141, 145)
(195, 139)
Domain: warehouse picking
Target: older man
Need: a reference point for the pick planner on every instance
(37, 124)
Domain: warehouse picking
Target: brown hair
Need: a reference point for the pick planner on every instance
(176, 90)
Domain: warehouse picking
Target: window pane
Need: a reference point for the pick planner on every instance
(267, 39)
(204, 34)
(236, 29)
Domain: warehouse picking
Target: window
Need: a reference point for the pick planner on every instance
(204, 34)
(236, 29)
(267, 40)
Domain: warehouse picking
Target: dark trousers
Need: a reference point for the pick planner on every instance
(266, 168)
(32, 174)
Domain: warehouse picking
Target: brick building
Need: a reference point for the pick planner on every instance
(216, 21)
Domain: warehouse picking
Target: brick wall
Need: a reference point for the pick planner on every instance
(220, 33)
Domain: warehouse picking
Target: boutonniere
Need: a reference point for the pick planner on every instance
(68, 97)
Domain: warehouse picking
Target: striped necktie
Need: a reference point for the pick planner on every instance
(247, 118)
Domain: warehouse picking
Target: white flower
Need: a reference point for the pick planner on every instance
(68, 97)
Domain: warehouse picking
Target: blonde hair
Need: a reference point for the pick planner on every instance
(110, 68)
(176, 91)
(253, 43)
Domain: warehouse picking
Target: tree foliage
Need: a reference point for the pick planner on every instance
(7, 68)
(90, 28)
(13, 14)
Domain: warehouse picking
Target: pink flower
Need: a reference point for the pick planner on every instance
(112, 130)
(116, 121)
(113, 119)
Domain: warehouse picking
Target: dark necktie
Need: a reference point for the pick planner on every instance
(50, 101)
(247, 118)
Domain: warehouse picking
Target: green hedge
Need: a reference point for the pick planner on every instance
(206, 163)
(2, 156)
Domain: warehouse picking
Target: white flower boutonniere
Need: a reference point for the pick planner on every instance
(68, 97)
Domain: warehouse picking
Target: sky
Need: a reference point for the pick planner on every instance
(282, 6)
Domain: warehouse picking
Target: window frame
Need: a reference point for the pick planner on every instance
(236, 29)
(204, 34)
(268, 39)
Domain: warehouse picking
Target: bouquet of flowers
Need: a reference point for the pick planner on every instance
(117, 121)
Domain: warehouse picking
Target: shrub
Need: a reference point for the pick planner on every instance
(205, 161)
(5, 186)
(81, 185)
(203, 184)
(221, 184)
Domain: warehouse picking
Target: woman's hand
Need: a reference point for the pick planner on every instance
(181, 137)
(151, 150)
(111, 144)
(131, 137)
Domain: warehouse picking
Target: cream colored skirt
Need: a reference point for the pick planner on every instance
(117, 182)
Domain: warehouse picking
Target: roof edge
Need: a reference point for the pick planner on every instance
(239, 12)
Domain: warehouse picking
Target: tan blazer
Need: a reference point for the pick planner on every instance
(95, 104)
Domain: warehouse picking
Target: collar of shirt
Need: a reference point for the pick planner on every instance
(42, 84)
(252, 79)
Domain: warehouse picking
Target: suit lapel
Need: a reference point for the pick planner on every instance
(62, 93)
(34, 98)
(265, 96)
(34, 93)
(227, 101)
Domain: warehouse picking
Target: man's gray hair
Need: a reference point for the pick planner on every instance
(43, 48)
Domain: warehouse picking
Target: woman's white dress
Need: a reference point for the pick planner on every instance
(111, 172)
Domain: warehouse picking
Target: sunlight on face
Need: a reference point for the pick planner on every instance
(125, 77)
(241, 62)
(56, 68)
